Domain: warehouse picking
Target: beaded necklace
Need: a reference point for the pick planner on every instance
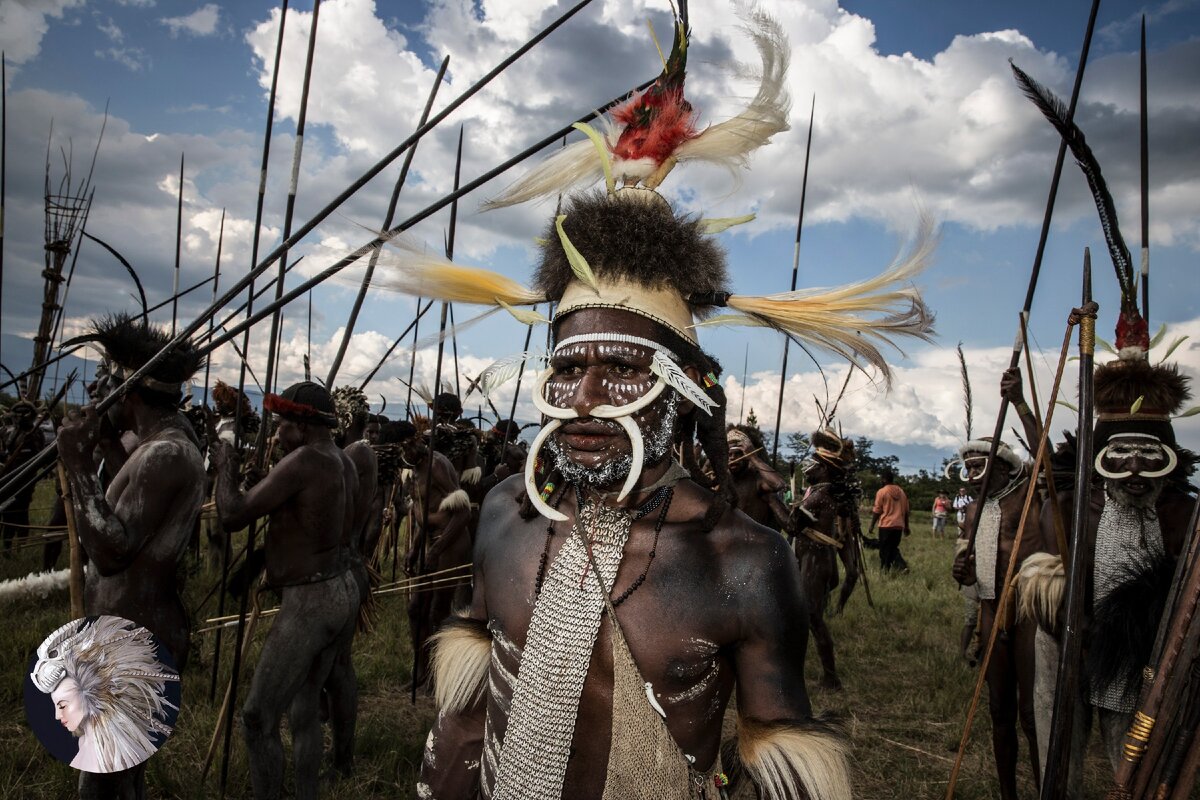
(662, 497)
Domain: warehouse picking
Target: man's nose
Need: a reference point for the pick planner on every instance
(589, 392)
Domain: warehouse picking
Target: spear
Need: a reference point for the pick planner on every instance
(178, 246)
(973, 522)
(1058, 754)
(215, 279)
(269, 378)
(387, 222)
(308, 342)
(433, 412)
(48, 452)
(3, 166)
(245, 364)
(795, 274)
(454, 350)
(258, 292)
(411, 326)
(1145, 148)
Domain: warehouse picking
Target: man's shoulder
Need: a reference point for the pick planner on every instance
(173, 446)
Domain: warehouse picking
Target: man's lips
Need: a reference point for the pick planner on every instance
(589, 435)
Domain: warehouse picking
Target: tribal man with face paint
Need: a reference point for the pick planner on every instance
(1140, 506)
(617, 604)
(135, 531)
(1010, 671)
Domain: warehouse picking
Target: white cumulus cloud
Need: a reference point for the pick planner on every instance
(201, 22)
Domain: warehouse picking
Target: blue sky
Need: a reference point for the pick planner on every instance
(915, 108)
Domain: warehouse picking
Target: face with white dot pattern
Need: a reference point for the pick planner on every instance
(589, 374)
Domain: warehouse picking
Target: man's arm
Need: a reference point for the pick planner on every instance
(455, 504)
(112, 537)
(1012, 389)
(781, 747)
(237, 510)
(454, 749)
(770, 486)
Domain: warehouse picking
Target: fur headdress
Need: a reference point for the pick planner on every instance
(121, 683)
(226, 400)
(832, 449)
(129, 342)
(351, 405)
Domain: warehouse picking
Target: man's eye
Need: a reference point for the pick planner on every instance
(568, 371)
(624, 371)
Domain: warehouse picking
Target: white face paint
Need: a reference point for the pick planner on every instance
(616, 374)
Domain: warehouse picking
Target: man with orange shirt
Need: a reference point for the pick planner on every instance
(890, 513)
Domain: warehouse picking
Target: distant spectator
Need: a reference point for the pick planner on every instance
(890, 513)
(961, 501)
(941, 508)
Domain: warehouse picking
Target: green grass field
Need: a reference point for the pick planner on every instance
(905, 698)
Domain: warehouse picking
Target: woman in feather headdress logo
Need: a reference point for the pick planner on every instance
(109, 690)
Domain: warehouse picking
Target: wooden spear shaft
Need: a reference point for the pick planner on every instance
(1145, 164)
(3, 169)
(216, 279)
(1005, 592)
(795, 274)
(1058, 754)
(437, 380)
(178, 248)
(387, 223)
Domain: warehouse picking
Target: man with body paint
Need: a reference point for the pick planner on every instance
(136, 532)
(309, 497)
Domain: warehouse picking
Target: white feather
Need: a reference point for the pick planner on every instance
(731, 142)
(34, 586)
(576, 163)
(501, 372)
(662, 366)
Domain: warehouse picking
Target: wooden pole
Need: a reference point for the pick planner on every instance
(1145, 164)
(76, 580)
(1056, 776)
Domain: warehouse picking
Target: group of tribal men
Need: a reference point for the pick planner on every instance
(740, 609)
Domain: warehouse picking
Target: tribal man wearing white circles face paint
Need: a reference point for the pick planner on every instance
(617, 604)
(1140, 510)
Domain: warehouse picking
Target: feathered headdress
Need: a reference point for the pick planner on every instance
(129, 342)
(646, 136)
(352, 406)
(121, 682)
(1133, 335)
(1131, 394)
(304, 402)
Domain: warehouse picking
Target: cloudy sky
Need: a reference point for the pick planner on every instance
(915, 109)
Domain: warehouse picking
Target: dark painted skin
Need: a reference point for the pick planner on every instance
(1010, 672)
(360, 468)
(818, 564)
(720, 611)
(310, 512)
(445, 537)
(137, 531)
(757, 487)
